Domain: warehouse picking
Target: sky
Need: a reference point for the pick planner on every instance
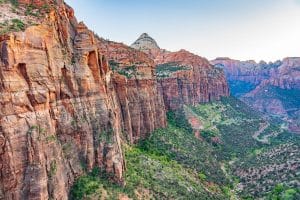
(240, 29)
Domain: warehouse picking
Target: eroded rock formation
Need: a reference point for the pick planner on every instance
(59, 113)
(197, 82)
(141, 102)
(272, 88)
(69, 99)
(284, 74)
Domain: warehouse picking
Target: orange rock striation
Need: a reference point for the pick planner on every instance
(69, 99)
(199, 82)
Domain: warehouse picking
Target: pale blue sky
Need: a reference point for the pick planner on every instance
(240, 29)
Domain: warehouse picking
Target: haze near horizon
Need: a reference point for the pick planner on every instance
(259, 29)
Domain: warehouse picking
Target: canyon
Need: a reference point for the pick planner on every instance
(70, 100)
(82, 117)
(272, 88)
(184, 78)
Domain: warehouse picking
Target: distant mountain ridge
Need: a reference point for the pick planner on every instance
(268, 87)
(183, 77)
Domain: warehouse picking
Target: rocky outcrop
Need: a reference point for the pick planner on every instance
(145, 43)
(284, 74)
(141, 103)
(64, 111)
(276, 86)
(248, 71)
(69, 99)
(196, 82)
(41, 2)
(59, 113)
(200, 82)
(287, 75)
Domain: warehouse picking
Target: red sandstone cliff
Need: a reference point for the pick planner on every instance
(142, 104)
(276, 88)
(288, 74)
(248, 71)
(59, 112)
(63, 110)
(53, 114)
(198, 82)
(284, 74)
(68, 100)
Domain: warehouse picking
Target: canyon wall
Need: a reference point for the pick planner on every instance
(284, 74)
(59, 113)
(200, 82)
(272, 88)
(141, 102)
(69, 99)
(64, 111)
(195, 81)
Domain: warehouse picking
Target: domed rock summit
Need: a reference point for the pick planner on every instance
(145, 43)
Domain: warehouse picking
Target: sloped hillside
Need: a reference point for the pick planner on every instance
(272, 88)
(170, 164)
(237, 154)
(260, 156)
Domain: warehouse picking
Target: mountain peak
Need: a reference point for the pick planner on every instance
(144, 35)
(145, 42)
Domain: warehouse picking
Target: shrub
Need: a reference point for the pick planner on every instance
(17, 25)
(202, 176)
(14, 3)
(166, 69)
(53, 168)
(31, 10)
(84, 186)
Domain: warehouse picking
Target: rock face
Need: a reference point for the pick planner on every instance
(145, 42)
(63, 110)
(248, 71)
(284, 74)
(40, 2)
(59, 113)
(287, 75)
(274, 87)
(197, 82)
(141, 102)
(69, 99)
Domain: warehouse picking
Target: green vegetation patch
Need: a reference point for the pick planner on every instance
(181, 145)
(275, 164)
(258, 167)
(13, 2)
(233, 122)
(283, 192)
(13, 25)
(166, 69)
(148, 176)
(127, 71)
(171, 164)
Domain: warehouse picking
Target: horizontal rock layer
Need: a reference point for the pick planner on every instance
(64, 111)
(284, 74)
(59, 113)
(199, 83)
(141, 103)
(275, 87)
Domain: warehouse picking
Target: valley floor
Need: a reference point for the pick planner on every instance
(219, 150)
